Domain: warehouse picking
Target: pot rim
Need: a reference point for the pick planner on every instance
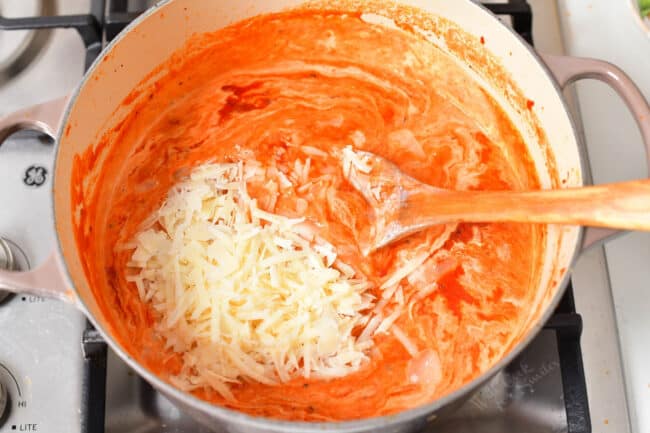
(230, 415)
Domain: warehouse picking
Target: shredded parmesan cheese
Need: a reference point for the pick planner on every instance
(241, 294)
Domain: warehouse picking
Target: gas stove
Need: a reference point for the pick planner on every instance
(56, 373)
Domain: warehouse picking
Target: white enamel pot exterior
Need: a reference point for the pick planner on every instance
(152, 38)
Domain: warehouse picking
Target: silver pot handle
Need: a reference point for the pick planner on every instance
(47, 279)
(570, 69)
(45, 118)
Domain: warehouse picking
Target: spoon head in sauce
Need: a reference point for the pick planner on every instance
(386, 188)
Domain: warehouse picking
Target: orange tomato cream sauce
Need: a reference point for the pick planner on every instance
(291, 90)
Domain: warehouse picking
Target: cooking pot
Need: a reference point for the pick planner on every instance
(526, 84)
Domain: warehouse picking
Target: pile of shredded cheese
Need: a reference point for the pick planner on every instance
(240, 294)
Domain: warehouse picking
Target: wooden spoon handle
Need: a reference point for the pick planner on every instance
(624, 205)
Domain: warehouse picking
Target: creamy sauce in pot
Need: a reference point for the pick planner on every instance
(287, 87)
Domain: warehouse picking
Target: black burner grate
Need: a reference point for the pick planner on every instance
(105, 20)
(89, 26)
(520, 13)
(568, 328)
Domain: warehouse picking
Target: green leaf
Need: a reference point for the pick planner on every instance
(644, 5)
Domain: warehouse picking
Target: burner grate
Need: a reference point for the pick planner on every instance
(89, 27)
(567, 325)
(520, 13)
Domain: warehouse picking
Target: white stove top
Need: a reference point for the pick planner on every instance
(616, 153)
(40, 340)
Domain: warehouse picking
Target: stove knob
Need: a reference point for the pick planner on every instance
(4, 397)
(6, 262)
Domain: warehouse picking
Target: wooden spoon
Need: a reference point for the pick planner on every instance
(403, 205)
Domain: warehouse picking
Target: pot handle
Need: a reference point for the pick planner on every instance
(45, 118)
(47, 279)
(567, 70)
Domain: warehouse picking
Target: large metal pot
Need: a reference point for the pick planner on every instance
(79, 120)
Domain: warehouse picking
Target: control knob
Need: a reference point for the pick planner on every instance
(4, 397)
(6, 262)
